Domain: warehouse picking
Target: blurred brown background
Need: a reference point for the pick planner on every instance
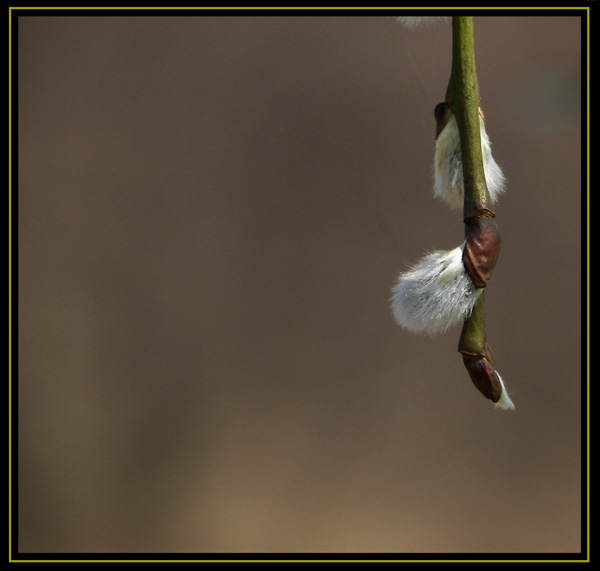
(212, 213)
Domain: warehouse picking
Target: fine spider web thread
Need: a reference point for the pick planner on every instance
(421, 85)
(418, 84)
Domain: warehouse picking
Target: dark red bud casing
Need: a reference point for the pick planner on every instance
(442, 113)
(484, 378)
(482, 249)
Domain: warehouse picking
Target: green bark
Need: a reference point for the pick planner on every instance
(462, 96)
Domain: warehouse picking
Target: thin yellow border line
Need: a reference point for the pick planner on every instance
(10, 518)
(587, 9)
(588, 279)
(299, 561)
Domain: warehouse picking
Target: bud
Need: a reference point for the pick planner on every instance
(434, 294)
(481, 250)
(448, 174)
(488, 382)
(412, 22)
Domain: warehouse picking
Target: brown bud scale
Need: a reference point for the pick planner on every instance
(442, 113)
(482, 249)
(484, 378)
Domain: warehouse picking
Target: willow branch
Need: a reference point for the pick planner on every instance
(462, 96)
(482, 235)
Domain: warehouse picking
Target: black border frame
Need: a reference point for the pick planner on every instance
(15, 13)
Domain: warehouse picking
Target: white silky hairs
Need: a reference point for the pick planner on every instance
(504, 402)
(413, 22)
(434, 294)
(448, 173)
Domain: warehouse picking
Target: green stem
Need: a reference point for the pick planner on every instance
(473, 343)
(462, 96)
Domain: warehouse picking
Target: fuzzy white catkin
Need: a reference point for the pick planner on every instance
(504, 402)
(434, 294)
(412, 22)
(448, 175)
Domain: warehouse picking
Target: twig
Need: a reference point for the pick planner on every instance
(482, 234)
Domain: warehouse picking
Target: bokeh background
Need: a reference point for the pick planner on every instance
(212, 213)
